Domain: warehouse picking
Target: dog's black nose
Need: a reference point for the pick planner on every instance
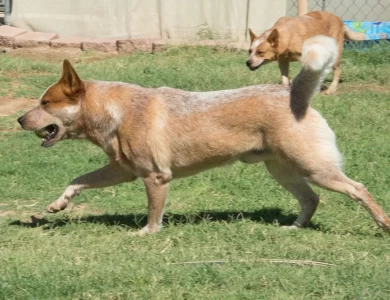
(248, 63)
(20, 120)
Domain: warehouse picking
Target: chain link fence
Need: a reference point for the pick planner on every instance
(350, 10)
(356, 10)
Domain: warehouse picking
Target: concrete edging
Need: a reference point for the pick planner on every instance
(13, 37)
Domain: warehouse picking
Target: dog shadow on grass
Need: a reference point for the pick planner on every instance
(266, 216)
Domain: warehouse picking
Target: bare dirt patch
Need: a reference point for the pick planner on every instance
(354, 87)
(57, 55)
(4, 213)
(9, 106)
(81, 209)
(73, 212)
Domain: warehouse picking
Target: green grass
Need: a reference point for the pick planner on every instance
(229, 214)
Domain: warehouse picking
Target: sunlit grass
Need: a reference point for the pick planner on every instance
(229, 214)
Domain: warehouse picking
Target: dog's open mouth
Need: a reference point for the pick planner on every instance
(48, 135)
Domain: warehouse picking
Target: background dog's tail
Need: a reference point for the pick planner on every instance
(319, 54)
(353, 35)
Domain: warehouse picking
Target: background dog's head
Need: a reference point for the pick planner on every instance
(57, 115)
(262, 49)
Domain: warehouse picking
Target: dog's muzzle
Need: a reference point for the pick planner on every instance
(249, 65)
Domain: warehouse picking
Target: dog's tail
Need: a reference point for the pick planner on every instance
(319, 54)
(353, 35)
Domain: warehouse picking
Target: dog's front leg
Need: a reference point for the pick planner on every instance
(283, 66)
(109, 175)
(157, 186)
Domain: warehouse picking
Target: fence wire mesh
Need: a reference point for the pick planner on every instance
(350, 10)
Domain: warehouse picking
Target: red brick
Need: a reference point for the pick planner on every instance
(34, 39)
(68, 42)
(211, 43)
(130, 46)
(158, 46)
(102, 45)
(8, 34)
(238, 46)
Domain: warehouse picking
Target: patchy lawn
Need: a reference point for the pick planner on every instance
(229, 215)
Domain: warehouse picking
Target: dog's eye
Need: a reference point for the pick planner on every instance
(259, 52)
(44, 103)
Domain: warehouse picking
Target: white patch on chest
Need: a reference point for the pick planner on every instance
(114, 111)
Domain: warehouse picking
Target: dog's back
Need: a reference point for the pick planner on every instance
(293, 31)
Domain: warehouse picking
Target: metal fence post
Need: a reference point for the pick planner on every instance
(247, 19)
(302, 7)
(7, 12)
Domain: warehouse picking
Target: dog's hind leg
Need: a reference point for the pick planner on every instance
(109, 175)
(296, 185)
(336, 78)
(336, 70)
(336, 181)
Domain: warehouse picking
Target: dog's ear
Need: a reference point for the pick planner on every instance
(273, 38)
(70, 81)
(252, 34)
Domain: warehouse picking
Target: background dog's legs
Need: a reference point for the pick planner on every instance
(336, 70)
(336, 78)
(283, 66)
(338, 182)
(107, 176)
(157, 186)
(297, 186)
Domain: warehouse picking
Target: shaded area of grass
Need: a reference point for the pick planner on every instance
(230, 214)
(136, 221)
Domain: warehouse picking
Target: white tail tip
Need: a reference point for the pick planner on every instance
(319, 53)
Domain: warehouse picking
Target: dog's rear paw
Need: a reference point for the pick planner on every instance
(290, 227)
(295, 225)
(328, 92)
(137, 233)
(146, 230)
(57, 206)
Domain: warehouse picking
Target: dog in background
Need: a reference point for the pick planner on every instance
(284, 41)
(159, 134)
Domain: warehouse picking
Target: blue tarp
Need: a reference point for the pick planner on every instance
(372, 30)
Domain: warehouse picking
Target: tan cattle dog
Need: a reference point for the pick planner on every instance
(283, 42)
(159, 134)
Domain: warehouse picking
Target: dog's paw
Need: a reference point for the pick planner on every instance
(290, 227)
(137, 233)
(295, 225)
(328, 92)
(146, 230)
(57, 206)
